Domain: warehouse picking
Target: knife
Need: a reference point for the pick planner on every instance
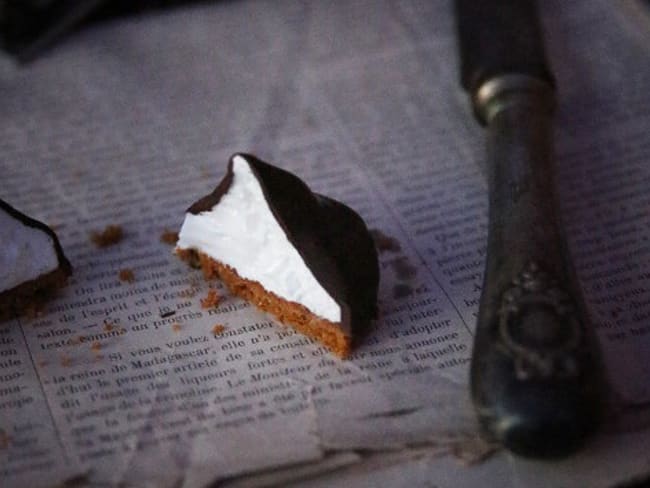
(537, 379)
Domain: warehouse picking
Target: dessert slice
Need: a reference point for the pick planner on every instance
(303, 257)
(32, 263)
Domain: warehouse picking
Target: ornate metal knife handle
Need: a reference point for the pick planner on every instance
(536, 376)
(537, 381)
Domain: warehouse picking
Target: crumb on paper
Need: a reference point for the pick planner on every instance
(127, 275)
(111, 235)
(218, 329)
(169, 237)
(385, 243)
(211, 300)
(177, 327)
(96, 346)
(66, 361)
(108, 327)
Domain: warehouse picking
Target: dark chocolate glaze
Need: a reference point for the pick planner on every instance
(13, 300)
(332, 239)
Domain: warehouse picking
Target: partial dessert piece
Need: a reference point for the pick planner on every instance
(303, 257)
(32, 263)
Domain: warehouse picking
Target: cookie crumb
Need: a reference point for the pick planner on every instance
(218, 329)
(177, 327)
(111, 235)
(127, 275)
(169, 237)
(96, 346)
(211, 300)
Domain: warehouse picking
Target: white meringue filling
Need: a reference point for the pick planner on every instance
(242, 232)
(25, 252)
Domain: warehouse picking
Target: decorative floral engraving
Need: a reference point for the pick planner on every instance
(539, 326)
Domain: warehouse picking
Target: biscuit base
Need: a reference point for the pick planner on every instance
(290, 313)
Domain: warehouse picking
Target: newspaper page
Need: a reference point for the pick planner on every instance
(129, 377)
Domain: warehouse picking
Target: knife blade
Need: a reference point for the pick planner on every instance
(537, 380)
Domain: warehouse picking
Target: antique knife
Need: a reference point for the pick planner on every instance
(536, 378)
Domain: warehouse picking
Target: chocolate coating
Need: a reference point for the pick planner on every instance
(331, 238)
